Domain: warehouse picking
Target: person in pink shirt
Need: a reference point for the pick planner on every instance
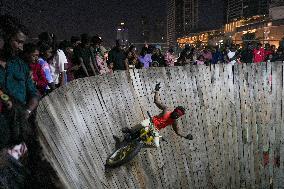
(258, 54)
(200, 60)
(207, 55)
(170, 58)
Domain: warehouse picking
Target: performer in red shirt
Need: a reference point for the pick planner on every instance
(166, 118)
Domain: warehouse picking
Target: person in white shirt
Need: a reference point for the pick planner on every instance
(232, 55)
(59, 62)
(58, 68)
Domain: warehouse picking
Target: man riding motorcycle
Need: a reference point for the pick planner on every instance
(164, 119)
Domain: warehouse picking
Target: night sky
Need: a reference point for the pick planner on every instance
(73, 17)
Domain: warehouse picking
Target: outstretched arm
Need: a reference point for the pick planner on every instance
(175, 128)
(157, 100)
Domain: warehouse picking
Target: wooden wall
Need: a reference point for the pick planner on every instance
(234, 113)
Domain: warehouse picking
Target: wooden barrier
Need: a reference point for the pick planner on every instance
(235, 115)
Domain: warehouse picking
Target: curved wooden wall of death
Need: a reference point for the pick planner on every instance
(234, 113)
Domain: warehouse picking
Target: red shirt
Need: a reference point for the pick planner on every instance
(164, 121)
(258, 55)
(39, 77)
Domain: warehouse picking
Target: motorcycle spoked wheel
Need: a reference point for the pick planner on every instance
(124, 154)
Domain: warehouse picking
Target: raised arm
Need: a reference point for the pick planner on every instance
(157, 100)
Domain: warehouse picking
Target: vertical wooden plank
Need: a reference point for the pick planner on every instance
(237, 126)
(264, 116)
(239, 96)
(281, 136)
(253, 83)
(277, 88)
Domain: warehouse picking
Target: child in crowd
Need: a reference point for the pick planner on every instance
(45, 56)
(200, 60)
(110, 68)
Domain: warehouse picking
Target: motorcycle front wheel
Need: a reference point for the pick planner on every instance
(124, 154)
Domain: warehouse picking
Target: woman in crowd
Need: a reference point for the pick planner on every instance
(131, 57)
(207, 55)
(31, 56)
(184, 57)
(170, 57)
(99, 55)
(145, 58)
(158, 57)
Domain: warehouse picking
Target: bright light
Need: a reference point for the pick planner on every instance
(118, 29)
(221, 41)
(122, 23)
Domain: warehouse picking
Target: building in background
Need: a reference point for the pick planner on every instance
(254, 20)
(186, 17)
(237, 9)
(171, 30)
(144, 29)
(151, 31)
(276, 10)
(190, 15)
(179, 17)
(122, 34)
(158, 31)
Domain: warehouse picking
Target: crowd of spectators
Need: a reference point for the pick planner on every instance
(28, 71)
(233, 54)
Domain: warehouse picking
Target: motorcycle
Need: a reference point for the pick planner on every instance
(132, 145)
